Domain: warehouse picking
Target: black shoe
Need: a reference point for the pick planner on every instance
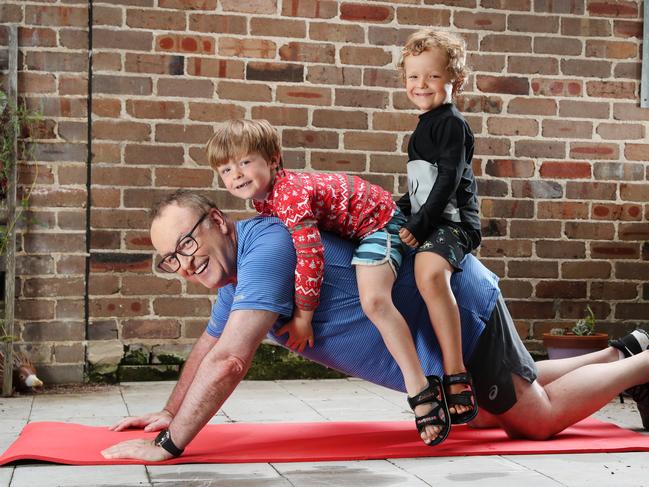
(640, 394)
(629, 344)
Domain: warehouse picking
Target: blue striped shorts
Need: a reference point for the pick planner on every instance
(383, 246)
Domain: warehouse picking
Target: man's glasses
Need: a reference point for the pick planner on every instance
(187, 246)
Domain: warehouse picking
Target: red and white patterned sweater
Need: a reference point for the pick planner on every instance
(347, 205)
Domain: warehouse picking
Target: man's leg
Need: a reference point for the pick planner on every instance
(540, 412)
(551, 370)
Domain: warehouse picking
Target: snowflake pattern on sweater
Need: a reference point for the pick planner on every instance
(340, 203)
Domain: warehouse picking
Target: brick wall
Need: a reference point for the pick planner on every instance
(561, 146)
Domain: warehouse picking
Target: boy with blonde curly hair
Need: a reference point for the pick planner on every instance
(441, 204)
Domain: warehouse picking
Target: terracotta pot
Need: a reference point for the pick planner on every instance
(564, 346)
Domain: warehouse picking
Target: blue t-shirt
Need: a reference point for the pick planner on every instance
(345, 339)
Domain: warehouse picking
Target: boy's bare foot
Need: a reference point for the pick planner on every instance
(432, 418)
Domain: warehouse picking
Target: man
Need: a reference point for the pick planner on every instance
(252, 265)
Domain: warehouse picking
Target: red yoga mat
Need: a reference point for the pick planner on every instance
(75, 444)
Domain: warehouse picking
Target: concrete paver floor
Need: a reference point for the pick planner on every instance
(323, 400)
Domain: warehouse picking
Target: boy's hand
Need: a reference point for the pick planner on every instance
(408, 238)
(300, 332)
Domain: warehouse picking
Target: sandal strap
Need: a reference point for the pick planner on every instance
(464, 398)
(431, 394)
(461, 378)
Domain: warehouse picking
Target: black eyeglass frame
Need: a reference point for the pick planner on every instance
(173, 256)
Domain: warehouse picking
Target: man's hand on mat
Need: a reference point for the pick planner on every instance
(139, 449)
(150, 422)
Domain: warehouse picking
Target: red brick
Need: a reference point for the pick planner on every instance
(509, 208)
(532, 65)
(585, 27)
(423, 16)
(559, 6)
(613, 8)
(611, 50)
(510, 168)
(152, 328)
(557, 87)
(260, 71)
(557, 45)
(525, 268)
(56, 16)
(532, 106)
(335, 32)
(155, 109)
(590, 231)
(304, 95)
(489, 63)
(334, 75)
(494, 4)
(632, 270)
(535, 229)
(152, 154)
(155, 19)
(105, 197)
(627, 28)
(374, 141)
(250, 6)
(531, 309)
(224, 24)
(611, 89)
(594, 150)
(565, 170)
(184, 177)
(48, 243)
(560, 249)
(505, 248)
(634, 192)
(215, 68)
(122, 85)
(562, 210)
(214, 112)
(634, 231)
(53, 287)
(182, 307)
(604, 290)
(105, 240)
(583, 109)
(185, 133)
(361, 98)
(506, 43)
(632, 311)
(191, 44)
(36, 83)
(244, 91)
(277, 27)
(614, 251)
(591, 191)
(492, 146)
(105, 15)
(340, 119)
(106, 107)
(561, 289)
(387, 77)
(339, 161)
(540, 148)
(358, 12)
(636, 152)
(55, 61)
(494, 228)
(365, 56)
(154, 63)
(120, 130)
(196, 88)
(612, 211)
(123, 176)
(577, 309)
(147, 285)
(586, 270)
(479, 103)
(318, 9)
(319, 139)
(280, 115)
(391, 121)
(515, 288)
(618, 171)
(500, 84)
(479, 21)
(120, 219)
(586, 68)
(512, 126)
(533, 23)
(308, 52)
(122, 39)
(631, 70)
(188, 4)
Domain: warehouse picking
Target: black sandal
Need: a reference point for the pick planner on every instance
(433, 394)
(464, 398)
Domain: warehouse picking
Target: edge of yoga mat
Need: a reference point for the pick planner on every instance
(74, 444)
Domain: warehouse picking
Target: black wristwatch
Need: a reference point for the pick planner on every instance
(164, 440)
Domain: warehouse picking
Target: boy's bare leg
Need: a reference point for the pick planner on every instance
(375, 290)
(541, 412)
(433, 276)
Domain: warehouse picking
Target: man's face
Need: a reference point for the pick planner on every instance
(214, 262)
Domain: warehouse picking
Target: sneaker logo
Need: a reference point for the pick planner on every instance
(493, 392)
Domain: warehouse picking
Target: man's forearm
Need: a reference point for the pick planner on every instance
(200, 349)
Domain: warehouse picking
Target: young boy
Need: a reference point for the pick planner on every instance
(441, 204)
(246, 154)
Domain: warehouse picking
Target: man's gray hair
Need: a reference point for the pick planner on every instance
(185, 199)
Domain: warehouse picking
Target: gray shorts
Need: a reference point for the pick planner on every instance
(499, 354)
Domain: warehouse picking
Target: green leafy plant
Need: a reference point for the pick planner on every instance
(585, 326)
(16, 122)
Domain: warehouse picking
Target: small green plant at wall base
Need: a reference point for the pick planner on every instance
(15, 121)
(585, 326)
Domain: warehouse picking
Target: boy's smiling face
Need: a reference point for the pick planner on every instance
(249, 176)
(428, 82)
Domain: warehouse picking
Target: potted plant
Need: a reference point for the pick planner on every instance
(578, 340)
